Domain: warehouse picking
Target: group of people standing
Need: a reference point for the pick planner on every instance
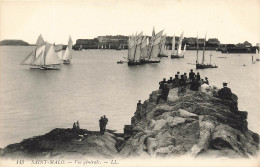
(181, 82)
(76, 125)
(193, 82)
(102, 124)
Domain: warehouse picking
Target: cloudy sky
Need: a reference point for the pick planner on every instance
(232, 21)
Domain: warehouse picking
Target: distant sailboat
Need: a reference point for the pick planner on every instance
(67, 56)
(80, 47)
(162, 52)
(202, 65)
(257, 55)
(154, 48)
(178, 53)
(48, 60)
(134, 50)
(37, 52)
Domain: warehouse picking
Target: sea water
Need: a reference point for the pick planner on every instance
(33, 102)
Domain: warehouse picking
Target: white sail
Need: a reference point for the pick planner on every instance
(39, 50)
(203, 54)
(68, 53)
(173, 44)
(40, 41)
(51, 58)
(184, 50)
(28, 60)
(35, 53)
(156, 45)
(131, 48)
(137, 56)
(155, 51)
(162, 45)
(39, 56)
(60, 54)
(144, 48)
(39, 60)
(179, 44)
(197, 56)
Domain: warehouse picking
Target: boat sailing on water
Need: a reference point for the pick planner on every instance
(257, 55)
(67, 56)
(134, 49)
(140, 53)
(154, 48)
(163, 52)
(178, 53)
(202, 65)
(42, 57)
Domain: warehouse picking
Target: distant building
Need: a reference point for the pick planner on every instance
(245, 44)
(213, 42)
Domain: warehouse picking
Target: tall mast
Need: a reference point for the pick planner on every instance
(204, 49)
(197, 59)
(210, 58)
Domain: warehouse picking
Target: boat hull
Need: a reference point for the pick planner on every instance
(176, 56)
(120, 62)
(151, 61)
(34, 67)
(162, 55)
(66, 61)
(204, 66)
(49, 67)
(133, 63)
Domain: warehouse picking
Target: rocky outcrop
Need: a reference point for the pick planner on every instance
(64, 143)
(192, 123)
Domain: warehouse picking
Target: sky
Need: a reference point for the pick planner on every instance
(231, 21)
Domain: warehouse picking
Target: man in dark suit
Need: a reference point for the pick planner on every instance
(225, 93)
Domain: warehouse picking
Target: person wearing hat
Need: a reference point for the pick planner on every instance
(178, 73)
(191, 75)
(165, 93)
(176, 81)
(198, 76)
(182, 86)
(162, 83)
(185, 76)
(225, 93)
(139, 102)
(169, 81)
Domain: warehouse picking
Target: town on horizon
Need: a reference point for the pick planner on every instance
(121, 42)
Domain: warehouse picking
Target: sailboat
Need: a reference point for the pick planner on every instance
(80, 47)
(202, 65)
(67, 56)
(162, 52)
(257, 55)
(253, 62)
(38, 51)
(154, 48)
(134, 51)
(48, 60)
(178, 53)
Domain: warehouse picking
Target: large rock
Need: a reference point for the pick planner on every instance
(194, 123)
(64, 143)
